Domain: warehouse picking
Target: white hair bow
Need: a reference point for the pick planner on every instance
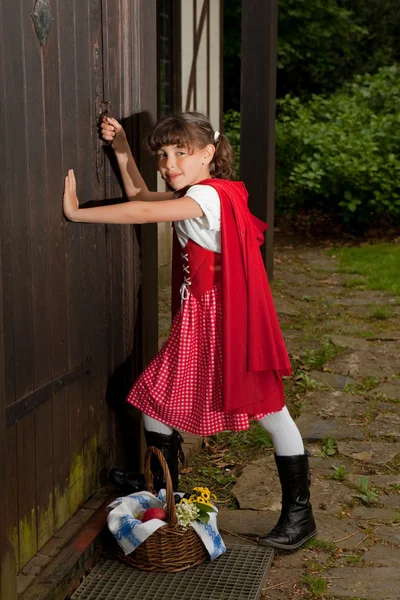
(216, 136)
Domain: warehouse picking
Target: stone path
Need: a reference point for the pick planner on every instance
(347, 390)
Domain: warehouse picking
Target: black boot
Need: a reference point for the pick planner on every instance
(170, 446)
(296, 524)
(127, 482)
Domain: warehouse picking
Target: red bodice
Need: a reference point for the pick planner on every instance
(200, 270)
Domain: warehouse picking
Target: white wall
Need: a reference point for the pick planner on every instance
(201, 57)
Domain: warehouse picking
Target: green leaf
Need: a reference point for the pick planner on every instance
(203, 508)
(204, 518)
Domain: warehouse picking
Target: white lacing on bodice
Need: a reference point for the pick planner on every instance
(186, 277)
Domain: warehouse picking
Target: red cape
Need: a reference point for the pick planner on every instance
(254, 353)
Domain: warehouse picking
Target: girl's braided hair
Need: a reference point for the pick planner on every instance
(194, 130)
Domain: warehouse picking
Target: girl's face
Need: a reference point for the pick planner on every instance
(181, 167)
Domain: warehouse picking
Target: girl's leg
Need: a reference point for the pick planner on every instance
(169, 442)
(284, 433)
(296, 523)
(151, 424)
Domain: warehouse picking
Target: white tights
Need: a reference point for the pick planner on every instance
(283, 430)
(284, 433)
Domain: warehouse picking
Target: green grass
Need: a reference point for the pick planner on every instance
(316, 544)
(355, 282)
(317, 585)
(368, 384)
(354, 559)
(378, 263)
(221, 462)
(328, 448)
(339, 473)
(380, 313)
(253, 438)
(304, 381)
(316, 359)
(367, 495)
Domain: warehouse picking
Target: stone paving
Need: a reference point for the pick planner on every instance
(354, 400)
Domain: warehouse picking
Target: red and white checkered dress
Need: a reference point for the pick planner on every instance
(182, 386)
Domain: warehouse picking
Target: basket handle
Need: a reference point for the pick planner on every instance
(170, 510)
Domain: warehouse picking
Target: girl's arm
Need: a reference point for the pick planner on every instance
(134, 184)
(128, 212)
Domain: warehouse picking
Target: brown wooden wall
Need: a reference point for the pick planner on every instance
(70, 291)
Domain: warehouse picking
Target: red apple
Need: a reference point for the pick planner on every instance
(154, 513)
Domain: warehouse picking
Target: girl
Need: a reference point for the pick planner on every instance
(224, 359)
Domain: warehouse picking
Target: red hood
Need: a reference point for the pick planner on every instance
(253, 347)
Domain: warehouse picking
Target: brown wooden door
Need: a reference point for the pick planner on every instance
(69, 290)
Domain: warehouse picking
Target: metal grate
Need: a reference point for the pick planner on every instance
(239, 574)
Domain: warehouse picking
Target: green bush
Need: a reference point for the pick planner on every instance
(341, 154)
(318, 45)
(232, 131)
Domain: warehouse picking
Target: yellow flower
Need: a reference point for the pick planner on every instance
(201, 489)
(203, 496)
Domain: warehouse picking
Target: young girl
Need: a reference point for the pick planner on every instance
(225, 357)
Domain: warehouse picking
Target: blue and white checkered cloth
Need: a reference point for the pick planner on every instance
(125, 525)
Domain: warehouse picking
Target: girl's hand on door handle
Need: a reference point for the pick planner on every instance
(112, 131)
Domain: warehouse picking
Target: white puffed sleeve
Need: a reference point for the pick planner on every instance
(207, 198)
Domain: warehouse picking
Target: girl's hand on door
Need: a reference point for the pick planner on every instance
(112, 131)
(70, 199)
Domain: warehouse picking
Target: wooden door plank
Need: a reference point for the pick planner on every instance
(87, 132)
(57, 272)
(101, 284)
(20, 258)
(144, 76)
(8, 444)
(8, 587)
(18, 186)
(6, 237)
(40, 249)
(26, 455)
(114, 83)
(61, 459)
(38, 200)
(146, 73)
(68, 41)
(44, 473)
(12, 490)
(112, 90)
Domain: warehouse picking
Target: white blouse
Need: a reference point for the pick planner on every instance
(205, 230)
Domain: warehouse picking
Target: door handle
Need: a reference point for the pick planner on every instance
(103, 108)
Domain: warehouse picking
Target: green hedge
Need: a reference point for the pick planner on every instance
(341, 154)
(338, 154)
(232, 131)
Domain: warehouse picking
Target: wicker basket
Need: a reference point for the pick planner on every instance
(169, 549)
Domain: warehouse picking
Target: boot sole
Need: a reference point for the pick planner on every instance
(271, 544)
